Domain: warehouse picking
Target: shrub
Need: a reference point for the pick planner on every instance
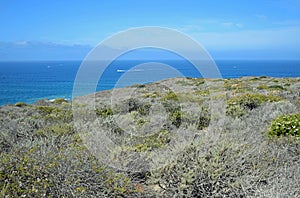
(198, 81)
(104, 112)
(55, 114)
(175, 118)
(277, 87)
(150, 95)
(55, 130)
(59, 101)
(144, 109)
(202, 92)
(238, 105)
(170, 96)
(139, 85)
(20, 104)
(235, 111)
(285, 125)
(134, 104)
(192, 175)
(262, 86)
(44, 171)
(204, 118)
(184, 82)
(154, 141)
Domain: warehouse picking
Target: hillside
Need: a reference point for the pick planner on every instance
(181, 137)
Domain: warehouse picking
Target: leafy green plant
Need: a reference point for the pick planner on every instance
(133, 104)
(262, 86)
(202, 92)
(51, 113)
(285, 125)
(155, 94)
(58, 130)
(154, 141)
(271, 87)
(176, 118)
(204, 118)
(42, 155)
(139, 85)
(278, 87)
(170, 96)
(20, 104)
(49, 169)
(144, 109)
(104, 112)
(239, 105)
(198, 81)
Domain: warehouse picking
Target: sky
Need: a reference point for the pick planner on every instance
(65, 29)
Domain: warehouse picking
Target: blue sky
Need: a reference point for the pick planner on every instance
(65, 29)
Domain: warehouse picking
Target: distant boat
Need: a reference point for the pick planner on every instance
(121, 70)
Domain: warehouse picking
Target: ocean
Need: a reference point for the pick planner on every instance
(30, 81)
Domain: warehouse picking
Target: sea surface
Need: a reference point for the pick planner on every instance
(32, 81)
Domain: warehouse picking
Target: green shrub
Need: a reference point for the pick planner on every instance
(235, 111)
(193, 175)
(227, 84)
(238, 105)
(48, 170)
(104, 112)
(58, 130)
(263, 77)
(56, 114)
(139, 85)
(154, 141)
(59, 101)
(278, 87)
(151, 95)
(285, 125)
(20, 104)
(254, 79)
(204, 118)
(184, 82)
(133, 104)
(262, 86)
(47, 110)
(171, 106)
(175, 118)
(198, 81)
(144, 109)
(202, 92)
(170, 96)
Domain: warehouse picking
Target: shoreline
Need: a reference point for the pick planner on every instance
(69, 99)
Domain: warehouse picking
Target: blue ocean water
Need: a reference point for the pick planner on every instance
(32, 81)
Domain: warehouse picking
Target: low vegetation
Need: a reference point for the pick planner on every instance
(286, 125)
(239, 105)
(234, 138)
